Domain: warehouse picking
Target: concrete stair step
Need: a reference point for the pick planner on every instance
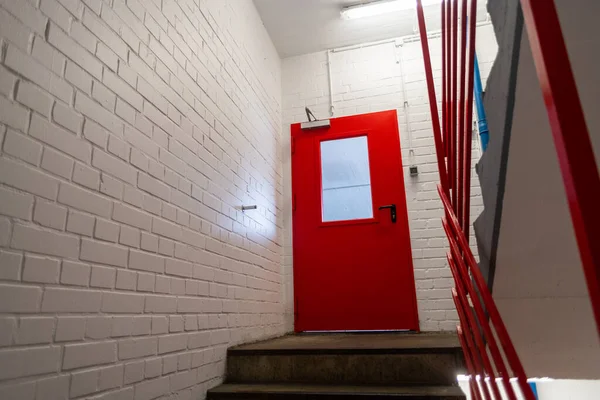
(358, 359)
(303, 391)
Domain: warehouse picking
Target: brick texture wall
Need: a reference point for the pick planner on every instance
(368, 80)
(131, 132)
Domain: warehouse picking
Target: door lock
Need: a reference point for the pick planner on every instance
(392, 208)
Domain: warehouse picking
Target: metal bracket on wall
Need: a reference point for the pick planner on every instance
(252, 207)
(313, 122)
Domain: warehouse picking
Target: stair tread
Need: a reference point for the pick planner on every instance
(352, 343)
(339, 389)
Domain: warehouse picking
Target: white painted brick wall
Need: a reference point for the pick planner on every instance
(131, 132)
(368, 80)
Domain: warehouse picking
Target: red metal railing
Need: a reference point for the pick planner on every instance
(485, 341)
(490, 356)
(488, 350)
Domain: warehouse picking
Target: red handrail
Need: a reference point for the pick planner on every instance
(468, 360)
(469, 270)
(475, 358)
(481, 330)
(489, 352)
(460, 294)
(437, 134)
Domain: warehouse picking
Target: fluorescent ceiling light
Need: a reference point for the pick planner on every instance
(381, 7)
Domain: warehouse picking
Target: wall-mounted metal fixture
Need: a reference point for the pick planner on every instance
(314, 123)
(323, 123)
(399, 51)
(330, 79)
(253, 207)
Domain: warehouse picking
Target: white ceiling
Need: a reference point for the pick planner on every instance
(306, 26)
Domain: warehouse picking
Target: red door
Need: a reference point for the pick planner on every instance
(352, 260)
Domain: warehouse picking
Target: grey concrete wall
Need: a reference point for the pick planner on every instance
(499, 104)
(539, 284)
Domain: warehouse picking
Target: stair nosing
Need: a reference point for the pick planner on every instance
(350, 351)
(364, 390)
(343, 344)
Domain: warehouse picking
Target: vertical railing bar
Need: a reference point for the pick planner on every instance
(469, 117)
(490, 305)
(479, 311)
(571, 136)
(461, 112)
(475, 393)
(454, 144)
(471, 334)
(451, 146)
(476, 369)
(437, 135)
(472, 324)
(504, 357)
(449, 81)
(444, 89)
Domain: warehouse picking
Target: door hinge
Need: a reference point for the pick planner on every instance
(294, 202)
(293, 145)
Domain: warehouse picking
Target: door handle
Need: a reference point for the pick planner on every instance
(392, 208)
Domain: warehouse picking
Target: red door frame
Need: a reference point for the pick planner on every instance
(401, 208)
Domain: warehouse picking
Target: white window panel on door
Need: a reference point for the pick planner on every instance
(346, 179)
